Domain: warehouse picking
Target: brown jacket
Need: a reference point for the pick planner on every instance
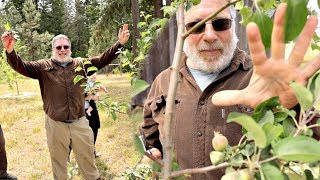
(62, 99)
(196, 117)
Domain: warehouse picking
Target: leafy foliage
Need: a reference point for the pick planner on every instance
(8, 75)
(293, 26)
(275, 138)
(37, 45)
(85, 70)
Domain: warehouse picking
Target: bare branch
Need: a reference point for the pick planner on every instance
(198, 170)
(170, 107)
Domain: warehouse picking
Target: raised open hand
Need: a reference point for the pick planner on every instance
(271, 77)
(8, 41)
(123, 35)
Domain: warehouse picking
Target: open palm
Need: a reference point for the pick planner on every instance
(272, 76)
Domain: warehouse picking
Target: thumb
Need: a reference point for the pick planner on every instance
(227, 98)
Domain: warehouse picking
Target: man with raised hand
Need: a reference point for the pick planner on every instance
(63, 100)
(212, 64)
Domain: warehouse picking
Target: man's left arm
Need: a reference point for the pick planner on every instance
(112, 53)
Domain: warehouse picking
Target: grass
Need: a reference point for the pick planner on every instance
(22, 120)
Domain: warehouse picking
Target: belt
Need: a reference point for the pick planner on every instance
(72, 120)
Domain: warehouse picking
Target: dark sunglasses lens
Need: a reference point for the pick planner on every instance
(221, 24)
(198, 30)
(60, 47)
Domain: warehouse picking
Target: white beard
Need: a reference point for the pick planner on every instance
(212, 64)
(65, 59)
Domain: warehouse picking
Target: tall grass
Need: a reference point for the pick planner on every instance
(22, 120)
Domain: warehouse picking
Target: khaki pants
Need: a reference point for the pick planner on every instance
(79, 135)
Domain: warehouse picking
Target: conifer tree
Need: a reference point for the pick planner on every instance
(37, 45)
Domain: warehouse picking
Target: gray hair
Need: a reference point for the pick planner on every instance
(233, 15)
(232, 11)
(60, 36)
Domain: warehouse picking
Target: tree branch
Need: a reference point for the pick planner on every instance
(170, 106)
(198, 170)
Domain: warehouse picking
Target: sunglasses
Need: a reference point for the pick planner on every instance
(64, 47)
(217, 24)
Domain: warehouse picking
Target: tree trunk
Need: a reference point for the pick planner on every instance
(157, 7)
(135, 20)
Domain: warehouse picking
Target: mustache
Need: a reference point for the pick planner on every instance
(208, 46)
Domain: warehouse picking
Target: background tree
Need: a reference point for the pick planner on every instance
(104, 32)
(37, 45)
(52, 16)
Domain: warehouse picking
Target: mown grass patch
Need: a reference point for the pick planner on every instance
(22, 120)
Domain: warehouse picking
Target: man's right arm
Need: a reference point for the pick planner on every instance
(28, 69)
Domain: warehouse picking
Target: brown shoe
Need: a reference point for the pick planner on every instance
(8, 176)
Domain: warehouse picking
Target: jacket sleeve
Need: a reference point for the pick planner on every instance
(153, 114)
(107, 57)
(27, 68)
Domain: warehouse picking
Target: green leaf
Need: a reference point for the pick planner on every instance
(230, 169)
(272, 172)
(86, 62)
(266, 4)
(92, 68)
(79, 68)
(236, 160)
(138, 86)
(304, 96)
(300, 148)
(113, 115)
(246, 14)
(195, 2)
(137, 141)
(262, 108)
(267, 118)
(308, 174)
(308, 132)
(248, 150)
(289, 128)
(314, 46)
(7, 26)
(314, 87)
(293, 23)
(272, 132)
(280, 116)
(77, 79)
(251, 126)
(239, 5)
(265, 26)
(97, 83)
(292, 113)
